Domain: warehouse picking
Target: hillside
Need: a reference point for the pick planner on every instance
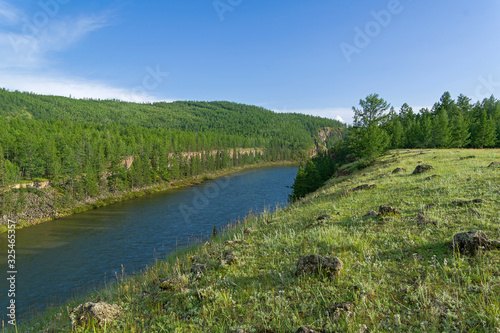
(214, 117)
(78, 152)
(392, 269)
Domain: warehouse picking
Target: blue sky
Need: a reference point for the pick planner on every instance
(317, 57)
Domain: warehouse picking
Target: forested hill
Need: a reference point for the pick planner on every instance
(219, 117)
(85, 149)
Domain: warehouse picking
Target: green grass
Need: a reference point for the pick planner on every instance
(402, 276)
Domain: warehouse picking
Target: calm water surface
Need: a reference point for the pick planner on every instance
(59, 259)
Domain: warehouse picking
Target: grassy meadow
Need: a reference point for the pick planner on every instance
(399, 274)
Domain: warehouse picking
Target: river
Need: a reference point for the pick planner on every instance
(60, 259)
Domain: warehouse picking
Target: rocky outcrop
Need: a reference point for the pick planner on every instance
(472, 241)
(388, 211)
(363, 187)
(422, 168)
(101, 312)
(315, 264)
(398, 170)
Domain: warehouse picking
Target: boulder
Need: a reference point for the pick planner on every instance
(363, 187)
(430, 177)
(467, 157)
(102, 312)
(347, 306)
(397, 170)
(314, 264)
(388, 210)
(422, 168)
(493, 164)
(472, 241)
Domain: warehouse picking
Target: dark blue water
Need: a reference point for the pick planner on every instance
(59, 259)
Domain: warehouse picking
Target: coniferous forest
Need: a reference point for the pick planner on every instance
(82, 149)
(378, 127)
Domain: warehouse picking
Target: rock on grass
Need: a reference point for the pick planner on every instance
(398, 170)
(472, 241)
(387, 211)
(315, 264)
(102, 312)
(422, 168)
(363, 187)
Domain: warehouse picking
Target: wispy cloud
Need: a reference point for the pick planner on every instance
(26, 47)
(76, 88)
(27, 50)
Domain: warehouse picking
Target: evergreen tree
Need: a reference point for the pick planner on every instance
(372, 140)
(459, 131)
(441, 133)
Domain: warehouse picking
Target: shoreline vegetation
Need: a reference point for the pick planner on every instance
(373, 250)
(112, 198)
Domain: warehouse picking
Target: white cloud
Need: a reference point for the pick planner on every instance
(28, 39)
(341, 114)
(77, 88)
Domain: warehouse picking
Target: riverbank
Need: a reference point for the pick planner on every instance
(45, 213)
(392, 268)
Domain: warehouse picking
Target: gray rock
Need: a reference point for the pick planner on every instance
(314, 264)
(493, 164)
(388, 210)
(430, 177)
(363, 187)
(102, 312)
(467, 157)
(347, 306)
(397, 170)
(472, 241)
(422, 168)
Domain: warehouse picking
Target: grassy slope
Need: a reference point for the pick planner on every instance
(402, 276)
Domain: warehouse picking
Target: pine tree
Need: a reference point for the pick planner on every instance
(485, 131)
(459, 131)
(442, 134)
(372, 140)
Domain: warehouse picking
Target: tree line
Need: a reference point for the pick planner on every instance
(80, 146)
(377, 127)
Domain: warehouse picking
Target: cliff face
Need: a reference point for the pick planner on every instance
(323, 136)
